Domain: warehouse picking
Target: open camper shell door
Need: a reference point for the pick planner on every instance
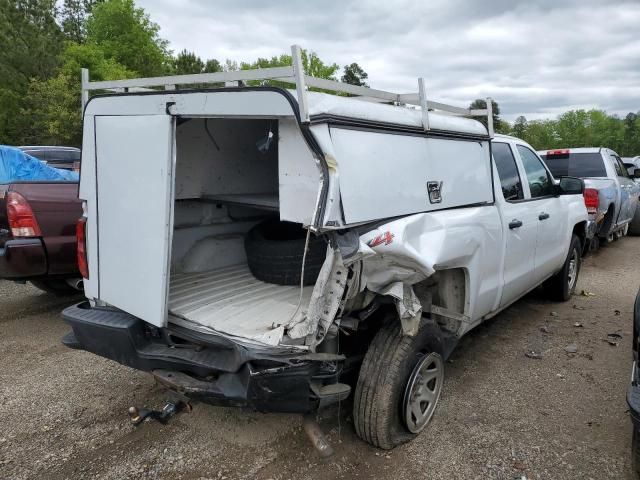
(134, 165)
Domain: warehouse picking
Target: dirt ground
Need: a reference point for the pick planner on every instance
(503, 415)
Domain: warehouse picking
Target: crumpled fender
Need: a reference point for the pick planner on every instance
(403, 252)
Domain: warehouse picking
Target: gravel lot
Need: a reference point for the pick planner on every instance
(502, 415)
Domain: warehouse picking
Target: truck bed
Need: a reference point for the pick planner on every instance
(232, 301)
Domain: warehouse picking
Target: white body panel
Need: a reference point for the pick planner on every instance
(383, 175)
(134, 165)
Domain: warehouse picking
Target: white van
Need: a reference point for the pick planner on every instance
(258, 246)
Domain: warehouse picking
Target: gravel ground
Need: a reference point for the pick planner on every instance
(502, 415)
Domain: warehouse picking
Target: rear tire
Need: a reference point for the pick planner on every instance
(634, 226)
(401, 378)
(562, 285)
(635, 453)
(60, 288)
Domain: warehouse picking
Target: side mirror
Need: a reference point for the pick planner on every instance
(570, 186)
(636, 173)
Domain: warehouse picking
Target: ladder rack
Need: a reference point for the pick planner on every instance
(293, 74)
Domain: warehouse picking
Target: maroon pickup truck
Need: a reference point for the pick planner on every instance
(38, 234)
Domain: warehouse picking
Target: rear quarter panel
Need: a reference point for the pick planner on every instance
(57, 209)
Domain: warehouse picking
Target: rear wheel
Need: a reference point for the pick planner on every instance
(562, 285)
(635, 453)
(399, 385)
(634, 226)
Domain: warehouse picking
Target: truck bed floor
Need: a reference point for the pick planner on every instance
(233, 301)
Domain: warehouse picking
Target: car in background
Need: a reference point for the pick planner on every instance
(611, 195)
(633, 165)
(39, 209)
(633, 393)
(66, 158)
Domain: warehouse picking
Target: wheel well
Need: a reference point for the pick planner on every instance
(579, 230)
(447, 289)
(607, 222)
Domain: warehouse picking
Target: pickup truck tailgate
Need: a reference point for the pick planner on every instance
(57, 209)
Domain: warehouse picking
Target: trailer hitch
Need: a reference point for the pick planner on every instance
(138, 415)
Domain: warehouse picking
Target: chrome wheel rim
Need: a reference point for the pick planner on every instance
(572, 275)
(423, 392)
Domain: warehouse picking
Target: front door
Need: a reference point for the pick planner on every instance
(550, 216)
(134, 165)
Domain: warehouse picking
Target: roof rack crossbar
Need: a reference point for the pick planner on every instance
(293, 74)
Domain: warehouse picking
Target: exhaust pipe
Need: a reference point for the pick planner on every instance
(76, 283)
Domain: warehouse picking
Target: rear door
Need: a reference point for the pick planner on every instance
(519, 225)
(134, 165)
(629, 190)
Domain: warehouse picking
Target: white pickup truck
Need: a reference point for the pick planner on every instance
(260, 247)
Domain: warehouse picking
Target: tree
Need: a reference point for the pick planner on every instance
(355, 75)
(520, 126)
(212, 66)
(30, 41)
(480, 104)
(187, 62)
(52, 110)
(73, 18)
(127, 35)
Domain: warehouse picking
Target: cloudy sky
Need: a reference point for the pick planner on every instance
(536, 58)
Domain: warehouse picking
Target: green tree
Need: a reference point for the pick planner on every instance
(355, 75)
(212, 66)
(480, 104)
(52, 111)
(187, 62)
(520, 127)
(30, 41)
(126, 34)
(73, 18)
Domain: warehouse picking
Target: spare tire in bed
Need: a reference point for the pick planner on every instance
(275, 249)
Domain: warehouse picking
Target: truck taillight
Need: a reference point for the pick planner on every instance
(81, 249)
(22, 221)
(591, 200)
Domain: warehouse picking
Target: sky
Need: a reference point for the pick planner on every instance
(536, 58)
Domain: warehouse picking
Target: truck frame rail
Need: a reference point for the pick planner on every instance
(293, 74)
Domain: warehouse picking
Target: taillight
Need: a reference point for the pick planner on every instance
(22, 221)
(81, 248)
(591, 200)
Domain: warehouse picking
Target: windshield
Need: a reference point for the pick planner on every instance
(582, 165)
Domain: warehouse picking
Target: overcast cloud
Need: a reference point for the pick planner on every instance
(536, 58)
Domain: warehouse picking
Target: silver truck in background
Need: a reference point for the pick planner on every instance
(610, 195)
(633, 168)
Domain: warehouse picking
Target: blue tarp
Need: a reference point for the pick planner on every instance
(17, 166)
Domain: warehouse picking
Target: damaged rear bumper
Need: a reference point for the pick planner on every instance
(208, 368)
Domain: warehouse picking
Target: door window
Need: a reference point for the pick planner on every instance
(621, 170)
(540, 183)
(507, 171)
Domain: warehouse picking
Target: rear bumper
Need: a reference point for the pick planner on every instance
(23, 259)
(220, 372)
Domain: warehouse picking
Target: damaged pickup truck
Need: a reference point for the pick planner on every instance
(283, 250)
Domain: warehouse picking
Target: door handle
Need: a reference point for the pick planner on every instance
(515, 223)
(543, 216)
